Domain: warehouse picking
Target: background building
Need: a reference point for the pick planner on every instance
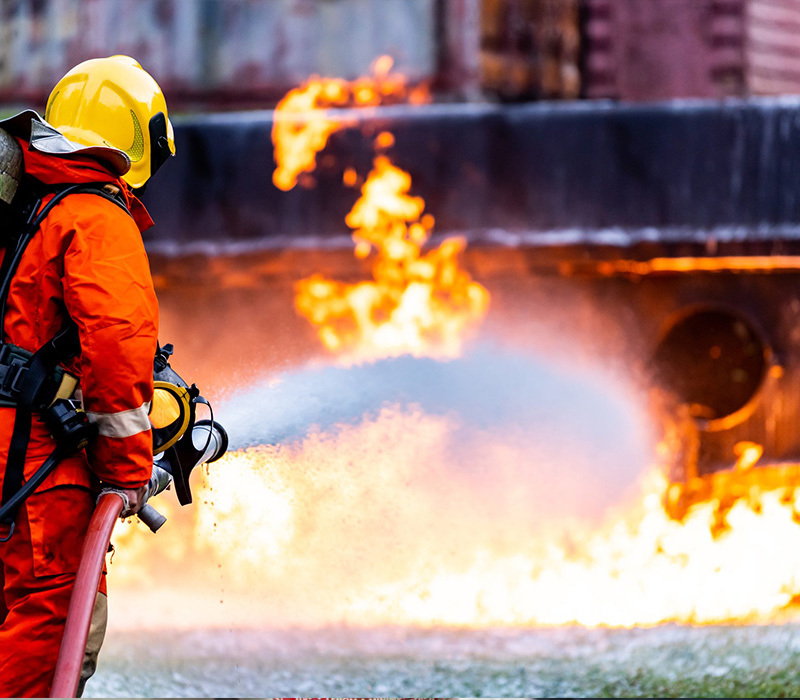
(246, 53)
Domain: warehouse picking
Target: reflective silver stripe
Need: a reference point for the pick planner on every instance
(122, 424)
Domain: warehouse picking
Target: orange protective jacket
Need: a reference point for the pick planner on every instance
(87, 262)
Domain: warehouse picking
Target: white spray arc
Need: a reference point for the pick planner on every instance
(351, 480)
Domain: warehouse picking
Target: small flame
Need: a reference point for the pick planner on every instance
(303, 124)
(384, 140)
(350, 177)
(419, 304)
(747, 454)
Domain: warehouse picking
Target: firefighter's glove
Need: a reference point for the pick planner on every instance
(134, 499)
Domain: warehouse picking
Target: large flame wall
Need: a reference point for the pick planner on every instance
(501, 488)
(482, 490)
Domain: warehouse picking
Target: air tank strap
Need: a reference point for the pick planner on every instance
(31, 398)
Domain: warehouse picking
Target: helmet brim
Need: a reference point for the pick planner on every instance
(42, 137)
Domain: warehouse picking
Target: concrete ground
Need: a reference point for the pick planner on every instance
(665, 661)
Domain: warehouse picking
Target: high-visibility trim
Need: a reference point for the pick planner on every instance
(122, 424)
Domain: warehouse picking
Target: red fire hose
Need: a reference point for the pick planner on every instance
(81, 606)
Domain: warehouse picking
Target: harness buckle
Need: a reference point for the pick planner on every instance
(13, 367)
(12, 379)
(19, 374)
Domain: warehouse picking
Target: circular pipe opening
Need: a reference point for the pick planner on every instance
(714, 361)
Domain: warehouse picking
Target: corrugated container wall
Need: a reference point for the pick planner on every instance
(232, 51)
(647, 49)
(773, 46)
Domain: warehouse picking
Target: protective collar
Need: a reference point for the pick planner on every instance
(78, 167)
(44, 138)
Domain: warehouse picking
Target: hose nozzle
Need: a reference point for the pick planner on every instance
(206, 443)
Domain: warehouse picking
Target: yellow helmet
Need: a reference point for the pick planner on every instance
(114, 102)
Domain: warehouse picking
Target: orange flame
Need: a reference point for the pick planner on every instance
(419, 304)
(302, 123)
(416, 304)
(348, 527)
(747, 454)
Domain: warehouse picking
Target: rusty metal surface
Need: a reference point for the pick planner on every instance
(530, 48)
(219, 50)
(458, 46)
(247, 53)
(773, 50)
(642, 50)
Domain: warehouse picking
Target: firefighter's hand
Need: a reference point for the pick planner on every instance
(136, 499)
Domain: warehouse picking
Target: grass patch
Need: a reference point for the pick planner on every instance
(781, 683)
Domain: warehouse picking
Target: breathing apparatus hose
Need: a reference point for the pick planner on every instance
(81, 606)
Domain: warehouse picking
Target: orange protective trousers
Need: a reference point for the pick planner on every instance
(38, 571)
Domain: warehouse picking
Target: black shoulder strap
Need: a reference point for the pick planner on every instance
(109, 192)
(11, 258)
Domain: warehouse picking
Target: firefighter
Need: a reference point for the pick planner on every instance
(106, 124)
